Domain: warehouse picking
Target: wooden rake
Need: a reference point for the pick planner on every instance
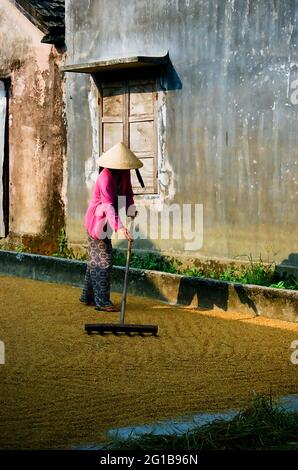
(122, 327)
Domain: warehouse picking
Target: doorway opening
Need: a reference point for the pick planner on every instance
(4, 157)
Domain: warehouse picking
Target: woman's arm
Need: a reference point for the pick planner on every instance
(108, 193)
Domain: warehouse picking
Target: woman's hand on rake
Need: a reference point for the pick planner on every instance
(126, 233)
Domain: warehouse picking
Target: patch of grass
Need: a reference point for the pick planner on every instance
(64, 250)
(147, 261)
(255, 272)
(262, 426)
(20, 248)
(194, 272)
(287, 283)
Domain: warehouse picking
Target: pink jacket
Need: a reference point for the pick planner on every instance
(101, 208)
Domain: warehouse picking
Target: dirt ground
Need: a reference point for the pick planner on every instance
(60, 387)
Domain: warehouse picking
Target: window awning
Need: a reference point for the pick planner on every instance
(115, 64)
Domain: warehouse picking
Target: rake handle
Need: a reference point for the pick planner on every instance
(124, 293)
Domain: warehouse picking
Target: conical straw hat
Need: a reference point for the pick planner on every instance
(119, 157)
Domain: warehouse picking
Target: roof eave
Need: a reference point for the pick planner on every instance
(116, 64)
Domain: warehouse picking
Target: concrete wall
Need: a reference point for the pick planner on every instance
(230, 117)
(36, 131)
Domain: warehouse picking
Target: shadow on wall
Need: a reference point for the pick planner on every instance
(205, 297)
(288, 268)
(204, 294)
(211, 294)
(169, 79)
(166, 75)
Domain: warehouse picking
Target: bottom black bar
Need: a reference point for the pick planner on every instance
(133, 459)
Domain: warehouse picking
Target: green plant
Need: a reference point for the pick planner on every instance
(229, 274)
(119, 258)
(262, 425)
(279, 285)
(255, 272)
(212, 275)
(20, 248)
(287, 282)
(194, 272)
(64, 251)
(146, 261)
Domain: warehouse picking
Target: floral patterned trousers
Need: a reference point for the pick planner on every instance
(97, 283)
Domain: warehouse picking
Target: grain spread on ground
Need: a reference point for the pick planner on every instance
(60, 387)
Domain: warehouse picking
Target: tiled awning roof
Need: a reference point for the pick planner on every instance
(48, 16)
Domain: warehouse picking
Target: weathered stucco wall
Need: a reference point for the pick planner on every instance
(36, 130)
(79, 153)
(230, 138)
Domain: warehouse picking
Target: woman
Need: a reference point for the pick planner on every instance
(102, 218)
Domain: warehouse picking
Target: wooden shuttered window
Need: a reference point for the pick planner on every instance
(128, 115)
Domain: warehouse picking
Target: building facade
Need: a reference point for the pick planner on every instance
(203, 91)
(32, 124)
(217, 124)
